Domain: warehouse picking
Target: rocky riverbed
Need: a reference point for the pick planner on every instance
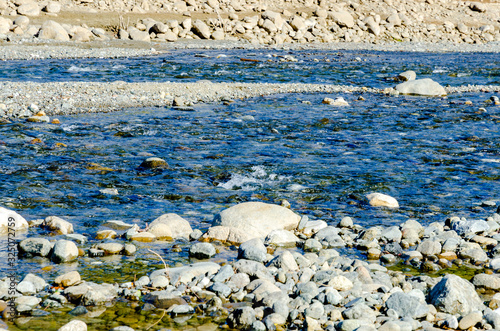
(285, 271)
(270, 22)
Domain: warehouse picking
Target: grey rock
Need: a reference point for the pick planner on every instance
(285, 261)
(407, 75)
(253, 249)
(99, 294)
(429, 247)
(303, 222)
(202, 250)
(35, 247)
(163, 299)
(253, 269)
(424, 87)
(121, 328)
(391, 234)
(281, 238)
(315, 310)
(405, 305)
(455, 295)
(272, 320)
(493, 318)
(221, 289)
(242, 318)
(489, 282)
(346, 222)
(312, 245)
(463, 227)
(224, 273)
(201, 29)
(64, 251)
(182, 309)
(257, 219)
(78, 310)
(451, 322)
(258, 326)
(53, 30)
(360, 311)
(185, 274)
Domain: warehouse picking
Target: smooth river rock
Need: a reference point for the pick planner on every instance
(170, 226)
(64, 251)
(382, 200)
(58, 225)
(9, 216)
(257, 219)
(424, 87)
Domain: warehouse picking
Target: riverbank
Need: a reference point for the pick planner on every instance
(118, 48)
(25, 99)
(292, 273)
(271, 23)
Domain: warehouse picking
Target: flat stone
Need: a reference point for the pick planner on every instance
(283, 238)
(470, 320)
(68, 279)
(110, 248)
(186, 274)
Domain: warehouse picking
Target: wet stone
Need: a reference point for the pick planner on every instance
(202, 250)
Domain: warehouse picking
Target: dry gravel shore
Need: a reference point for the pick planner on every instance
(19, 99)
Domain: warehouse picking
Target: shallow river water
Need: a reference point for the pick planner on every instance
(437, 156)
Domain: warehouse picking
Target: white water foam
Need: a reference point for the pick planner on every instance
(258, 178)
(80, 69)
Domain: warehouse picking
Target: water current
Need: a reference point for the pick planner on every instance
(437, 156)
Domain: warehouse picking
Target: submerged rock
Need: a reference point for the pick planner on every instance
(154, 163)
(382, 200)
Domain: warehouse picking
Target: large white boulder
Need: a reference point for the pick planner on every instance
(455, 295)
(257, 219)
(53, 30)
(424, 87)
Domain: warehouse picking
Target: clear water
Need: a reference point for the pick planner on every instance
(437, 156)
(363, 68)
